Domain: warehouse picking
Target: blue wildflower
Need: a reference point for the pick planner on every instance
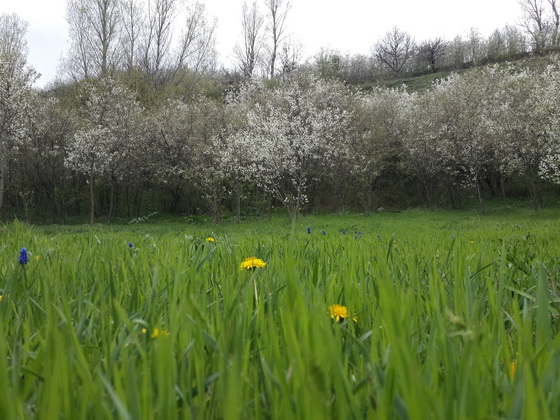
(378, 237)
(23, 259)
(308, 229)
(130, 245)
(344, 232)
(324, 232)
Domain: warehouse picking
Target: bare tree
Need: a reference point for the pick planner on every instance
(157, 39)
(474, 46)
(431, 53)
(248, 53)
(196, 53)
(534, 22)
(290, 55)
(555, 22)
(198, 41)
(515, 40)
(277, 11)
(132, 23)
(395, 50)
(94, 28)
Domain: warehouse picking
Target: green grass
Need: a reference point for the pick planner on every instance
(445, 303)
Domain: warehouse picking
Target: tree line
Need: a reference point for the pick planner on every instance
(183, 139)
(173, 44)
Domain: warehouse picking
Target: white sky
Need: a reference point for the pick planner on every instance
(349, 26)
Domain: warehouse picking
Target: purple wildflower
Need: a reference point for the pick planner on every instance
(23, 259)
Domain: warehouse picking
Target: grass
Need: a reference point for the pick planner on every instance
(446, 303)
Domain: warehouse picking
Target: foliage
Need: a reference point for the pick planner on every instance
(446, 305)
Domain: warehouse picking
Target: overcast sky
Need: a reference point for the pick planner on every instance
(349, 26)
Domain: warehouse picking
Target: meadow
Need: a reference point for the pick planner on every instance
(447, 315)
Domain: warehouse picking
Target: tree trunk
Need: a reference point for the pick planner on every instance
(92, 202)
(297, 206)
(111, 203)
(216, 207)
(502, 187)
(238, 208)
(478, 193)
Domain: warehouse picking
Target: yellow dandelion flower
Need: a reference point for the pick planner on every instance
(339, 313)
(251, 263)
(1, 296)
(210, 239)
(144, 330)
(156, 333)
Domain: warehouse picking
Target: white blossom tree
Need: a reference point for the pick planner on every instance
(106, 147)
(377, 130)
(524, 128)
(294, 133)
(549, 167)
(40, 171)
(422, 152)
(16, 80)
(180, 136)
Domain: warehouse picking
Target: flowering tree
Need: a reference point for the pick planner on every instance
(422, 152)
(459, 125)
(549, 94)
(464, 126)
(377, 129)
(44, 175)
(16, 79)
(105, 148)
(524, 128)
(180, 136)
(294, 133)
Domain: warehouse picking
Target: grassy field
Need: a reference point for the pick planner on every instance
(456, 316)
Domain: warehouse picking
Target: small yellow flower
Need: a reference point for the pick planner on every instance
(339, 313)
(512, 367)
(156, 333)
(210, 239)
(37, 257)
(251, 263)
(1, 296)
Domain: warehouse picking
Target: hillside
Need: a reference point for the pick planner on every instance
(421, 81)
